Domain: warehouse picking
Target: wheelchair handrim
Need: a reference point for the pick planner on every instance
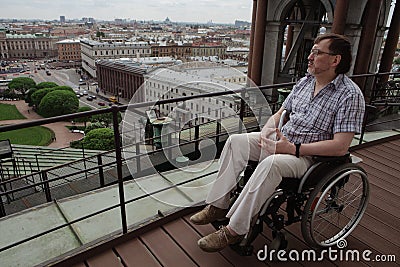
(356, 217)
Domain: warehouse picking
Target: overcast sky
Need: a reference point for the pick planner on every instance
(218, 11)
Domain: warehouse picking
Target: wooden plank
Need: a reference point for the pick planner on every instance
(252, 260)
(107, 258)
(376, 174)
(385, 151)
(394, 143)
(134, 253)
(389, 198)
(383, 167)
(167, 252)
(390, 152)
(187, 238)
(228, 253)
(383, 216)
(374, 241)
(380, 228)
(381, 159)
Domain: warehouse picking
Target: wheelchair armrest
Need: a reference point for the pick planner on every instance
(336, 159)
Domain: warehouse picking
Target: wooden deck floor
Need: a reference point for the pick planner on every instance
(175, 243)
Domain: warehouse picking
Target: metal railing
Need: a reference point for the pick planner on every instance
(45, 182)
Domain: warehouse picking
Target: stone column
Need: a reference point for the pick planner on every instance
(258, 47)
(340, 17)
(253, 26)
(368, 33)
(272, 57)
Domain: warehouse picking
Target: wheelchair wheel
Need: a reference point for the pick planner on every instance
(335, 206)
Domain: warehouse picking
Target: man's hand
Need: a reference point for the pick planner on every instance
(281, 146)
(267, 134)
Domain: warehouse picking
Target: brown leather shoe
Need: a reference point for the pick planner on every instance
(218, 240)
(208, 215)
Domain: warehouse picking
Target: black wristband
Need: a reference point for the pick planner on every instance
(297, 149)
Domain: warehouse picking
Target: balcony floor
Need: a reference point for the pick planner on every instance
(174, 242)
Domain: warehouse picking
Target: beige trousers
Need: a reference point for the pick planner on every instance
(238, 149)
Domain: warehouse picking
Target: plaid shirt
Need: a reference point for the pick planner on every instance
(338, 107)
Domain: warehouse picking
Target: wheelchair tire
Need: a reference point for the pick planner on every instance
(335, 206)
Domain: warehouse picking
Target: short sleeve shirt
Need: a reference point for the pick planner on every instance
(338, 107)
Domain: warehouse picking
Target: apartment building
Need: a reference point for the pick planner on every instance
(69, 49)
(171, 50)
(93, 51)
(123, 77)
(201, 49)
(34, 46)
(189, 80)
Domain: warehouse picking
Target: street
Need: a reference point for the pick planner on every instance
(67, 77)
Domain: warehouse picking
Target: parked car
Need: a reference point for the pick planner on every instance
(89, 98)
(101, 104)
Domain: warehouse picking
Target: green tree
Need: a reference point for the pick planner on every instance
(58, 102)
(46, 85)
(22, 84)
(38, 95)
(396, 60)
(92, 126)
(63, 87)
(28, 96)
(83, 119)
(106, 118)
(99, 139)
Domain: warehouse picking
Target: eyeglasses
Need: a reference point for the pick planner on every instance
(316, 52)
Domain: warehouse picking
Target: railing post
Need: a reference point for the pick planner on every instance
(138, 166)
(260, 117)
(101, 173)
(84, 160)
(169, 144)
(37, 162)
(196, 137)
(217, 132)
(23, 164)
(46, 186)
(16, 167)
(2, 209)
(242, 108)
(118, 156)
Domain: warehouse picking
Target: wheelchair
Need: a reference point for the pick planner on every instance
(329, 201)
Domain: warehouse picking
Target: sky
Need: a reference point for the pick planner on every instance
(202, 11)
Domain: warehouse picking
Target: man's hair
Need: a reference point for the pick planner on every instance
(339, 45)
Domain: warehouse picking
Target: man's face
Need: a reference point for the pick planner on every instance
(320, 59)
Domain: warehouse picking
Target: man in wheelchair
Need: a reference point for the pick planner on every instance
(326, 110)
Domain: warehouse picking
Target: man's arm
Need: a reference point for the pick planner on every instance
(271, 124)
(338, 146)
